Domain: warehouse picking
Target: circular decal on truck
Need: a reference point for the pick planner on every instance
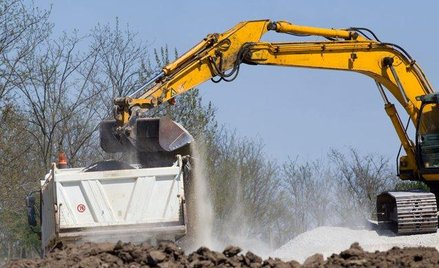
(80, 208)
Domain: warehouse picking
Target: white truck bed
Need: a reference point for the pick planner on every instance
(129, 204)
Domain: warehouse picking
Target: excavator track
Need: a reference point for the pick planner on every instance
(408, 212)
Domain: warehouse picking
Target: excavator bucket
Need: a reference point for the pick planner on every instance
(150, 135)
(172, 135)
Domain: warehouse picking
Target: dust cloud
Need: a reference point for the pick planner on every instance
(204, 223)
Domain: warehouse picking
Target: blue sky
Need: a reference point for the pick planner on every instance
(292, 111)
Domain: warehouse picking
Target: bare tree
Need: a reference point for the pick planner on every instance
(308, 193)
(244, 186)
(22, 29)
(17, 178)
(360, 179)
(298, 180)
(60, 97)
(123, 62)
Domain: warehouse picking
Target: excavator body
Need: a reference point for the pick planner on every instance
(218, 58)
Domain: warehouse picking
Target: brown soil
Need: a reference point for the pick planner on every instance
(167, 254)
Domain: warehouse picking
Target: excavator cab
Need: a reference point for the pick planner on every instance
(427, 134)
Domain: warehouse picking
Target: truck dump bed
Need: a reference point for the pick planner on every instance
(131, 204)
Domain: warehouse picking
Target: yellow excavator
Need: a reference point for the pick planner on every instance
(218, 57)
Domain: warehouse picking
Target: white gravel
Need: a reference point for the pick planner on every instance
(329, 240)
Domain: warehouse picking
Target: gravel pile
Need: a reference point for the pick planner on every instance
(330, 240)
(168, 255)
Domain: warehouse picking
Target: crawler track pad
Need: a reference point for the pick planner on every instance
(146, 135)
(409, 212)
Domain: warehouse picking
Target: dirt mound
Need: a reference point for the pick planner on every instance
(355, 256)
(167, 254)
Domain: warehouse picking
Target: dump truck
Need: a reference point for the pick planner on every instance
(137, 201)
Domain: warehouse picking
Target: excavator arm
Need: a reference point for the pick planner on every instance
(219, 56)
